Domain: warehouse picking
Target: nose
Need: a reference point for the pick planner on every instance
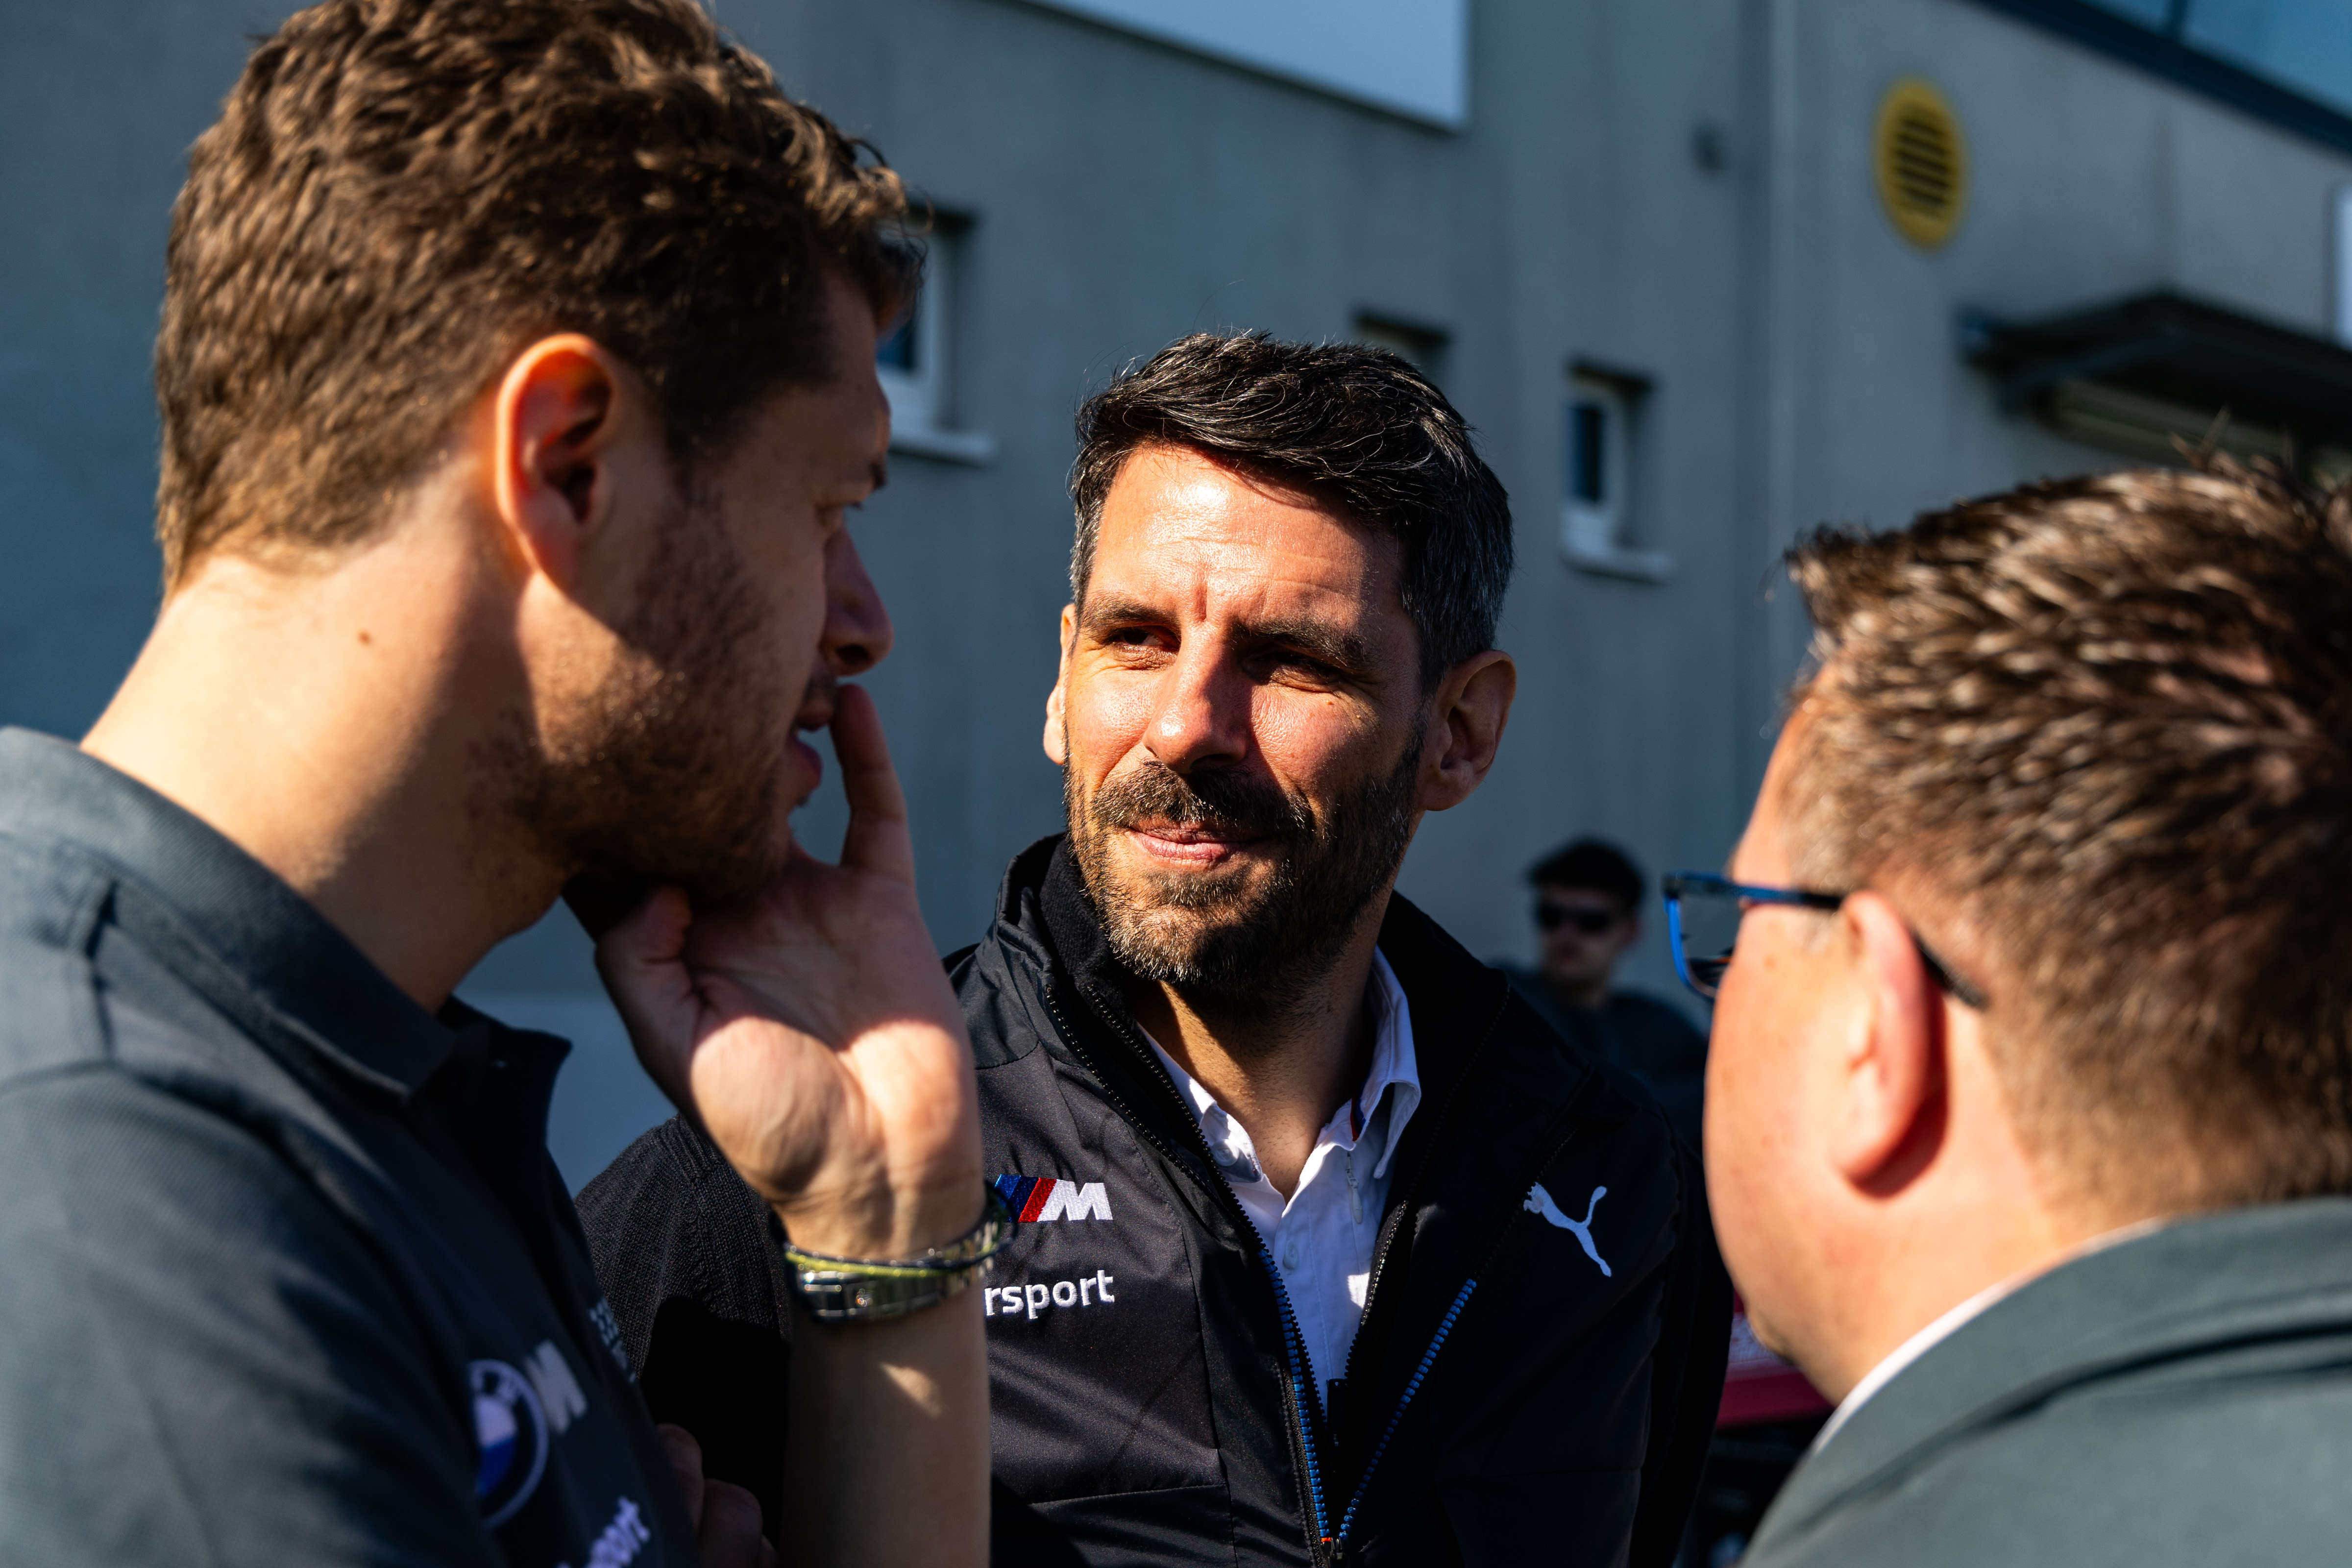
(857, 633)
(1203, 716)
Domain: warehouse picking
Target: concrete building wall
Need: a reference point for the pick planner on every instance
(1799, 356)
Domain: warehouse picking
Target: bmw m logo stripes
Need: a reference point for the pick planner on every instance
(1033, 1199)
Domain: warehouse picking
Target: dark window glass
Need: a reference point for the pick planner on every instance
(897, 349)
(1587, 426)
(2306, 45)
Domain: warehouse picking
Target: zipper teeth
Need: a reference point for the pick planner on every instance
(1428, 1357)
(1294, 1345)
(1292, 1341)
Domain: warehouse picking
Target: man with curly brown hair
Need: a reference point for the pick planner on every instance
(517, 374)
(2029, 1122)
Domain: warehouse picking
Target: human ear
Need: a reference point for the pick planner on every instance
(1473, 705)
(1893, 1090)
(1058, 747)
(558, 410)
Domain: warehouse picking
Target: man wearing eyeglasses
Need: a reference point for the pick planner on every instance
(2030, 1099)
(1588, 915)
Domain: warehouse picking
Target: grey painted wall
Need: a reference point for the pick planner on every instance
(1120, 192)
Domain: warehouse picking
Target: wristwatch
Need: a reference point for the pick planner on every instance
(854, 1290)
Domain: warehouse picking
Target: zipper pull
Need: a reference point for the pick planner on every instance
(1355, 1192)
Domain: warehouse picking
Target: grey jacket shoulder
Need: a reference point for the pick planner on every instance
(51, 903)
(2177, 1398)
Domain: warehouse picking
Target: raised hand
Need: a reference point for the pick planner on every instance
(813, 1032)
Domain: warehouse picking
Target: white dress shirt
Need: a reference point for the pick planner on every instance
(1322, 1238)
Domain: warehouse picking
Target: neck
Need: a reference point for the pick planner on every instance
(338, 722)
(1967, 1210)
(1590, 995)
(1280, 1071)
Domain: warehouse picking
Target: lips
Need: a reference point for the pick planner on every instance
(1191, 844)
(815, 713)
(1195, 821)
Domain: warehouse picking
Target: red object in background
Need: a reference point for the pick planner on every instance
(1759, 1385)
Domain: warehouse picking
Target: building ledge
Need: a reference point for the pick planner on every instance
(2163, 364)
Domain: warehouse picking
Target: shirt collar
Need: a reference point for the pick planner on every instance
(1393, 1068)
(1904, 1356)
(222, 921)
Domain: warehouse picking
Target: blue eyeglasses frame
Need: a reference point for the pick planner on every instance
(1705, 975)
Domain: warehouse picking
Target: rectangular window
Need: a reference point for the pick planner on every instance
(1587, 460)
(915, 360)
(1597, 501)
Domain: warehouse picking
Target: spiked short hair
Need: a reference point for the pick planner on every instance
(2107, 725)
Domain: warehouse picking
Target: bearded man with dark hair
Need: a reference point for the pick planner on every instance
(1336, 1251)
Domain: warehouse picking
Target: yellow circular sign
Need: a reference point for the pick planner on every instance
(1921, 162)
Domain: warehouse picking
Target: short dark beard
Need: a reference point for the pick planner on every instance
(668, 772)
(1246, 950)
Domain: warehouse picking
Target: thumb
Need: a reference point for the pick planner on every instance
(643, 963)
(878, 839)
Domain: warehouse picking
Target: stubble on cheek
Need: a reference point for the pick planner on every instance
(661, 760)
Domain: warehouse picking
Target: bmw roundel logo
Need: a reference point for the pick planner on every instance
(511, 1429)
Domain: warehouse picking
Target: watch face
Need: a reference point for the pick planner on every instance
(832, 1296)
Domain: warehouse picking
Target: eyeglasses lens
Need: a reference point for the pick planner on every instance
(1706, 922)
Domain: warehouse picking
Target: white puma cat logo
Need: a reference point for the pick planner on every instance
(1539, 1202)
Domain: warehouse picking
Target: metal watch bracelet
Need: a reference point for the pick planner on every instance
(852, 1289)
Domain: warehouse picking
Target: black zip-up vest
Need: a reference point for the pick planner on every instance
(1520, 1389)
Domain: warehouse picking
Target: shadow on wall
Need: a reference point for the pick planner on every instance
(602, 1098)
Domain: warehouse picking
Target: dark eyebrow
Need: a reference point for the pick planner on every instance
(1343, 651)
(1101, 613)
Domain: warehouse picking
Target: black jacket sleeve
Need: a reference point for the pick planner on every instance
(686, 1255)
(1686, 1386)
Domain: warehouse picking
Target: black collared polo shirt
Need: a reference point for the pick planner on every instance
(286, 1273)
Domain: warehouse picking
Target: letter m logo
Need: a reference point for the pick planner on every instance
(1068, 1200)
(1033, 1199)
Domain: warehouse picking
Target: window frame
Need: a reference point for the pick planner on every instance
(921, 401)
(1597, 536)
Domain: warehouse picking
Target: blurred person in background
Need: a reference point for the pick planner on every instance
(1331, 1252)
(1588, 915)
(517, 374)
(2029, 1105)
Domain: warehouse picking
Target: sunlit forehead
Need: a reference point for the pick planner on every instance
(1201, 545)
